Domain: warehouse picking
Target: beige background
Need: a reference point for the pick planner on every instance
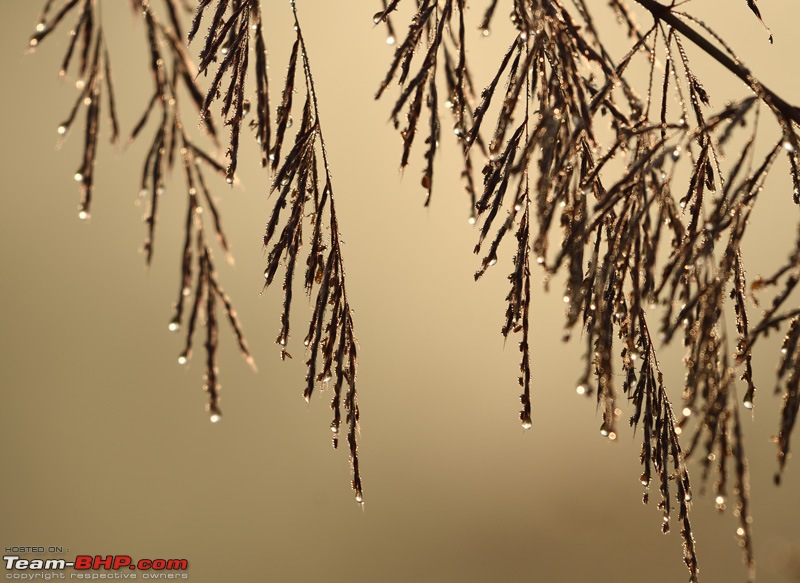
(106, 448)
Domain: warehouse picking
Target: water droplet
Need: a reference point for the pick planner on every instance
(676, 153)
(359, 498)
(377, 17)
(62, 130)
(580, 389)
(229, 179)
(540, 260)
(183, 359)
(784, 350)
(526, 423)
(40, 27)
(224, 50)
(485, 32)
(80, 84)
(34, 42)
(471, 220)
(748, 404)
(174, 326)
(83, 215)
(334, 427)
(686, 411)
(390, 40)
(604, 430)
(289, 122)
(492, 261)
(612, 436)
(78, 177)
(740, 531)
(215, 417)
(788, 146)
(719, 500)
(566, 299)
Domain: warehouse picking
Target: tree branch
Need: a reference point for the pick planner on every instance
(661, 12)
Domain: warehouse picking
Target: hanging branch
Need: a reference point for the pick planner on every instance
(303, 183)
(615, 225)
(94, 79)
(171, 70)
(234, 25)
(436, 24)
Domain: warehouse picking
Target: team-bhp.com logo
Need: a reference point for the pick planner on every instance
(87, 564)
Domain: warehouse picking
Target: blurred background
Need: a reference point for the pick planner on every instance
(107, 448)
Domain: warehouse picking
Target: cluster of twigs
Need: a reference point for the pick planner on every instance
(173, 75)
(88, 43)
(228, 43)
(603, 160)
(302, 182)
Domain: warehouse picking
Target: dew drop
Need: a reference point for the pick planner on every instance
(224, 50)
(540, 260)
(485, 32)
(526, 424)
(720, 500)
(377, 17)
(289, 122)
(34, 42)
(748, 404)
(182, 359)
(62, 130)
(40, 27)
(788, 146)
(687, 497)
(492, 261)
(78, 177)
(80, 84)
(229, 179)
(471, 220)
(334, 428)
(604, 430)
(174, 326)
(83, 215)
(215, 417)
(580, 389)
(686, 411)
(676, 153)
(566, 299)
(390, 40)
(784, 350)
(359, 498)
